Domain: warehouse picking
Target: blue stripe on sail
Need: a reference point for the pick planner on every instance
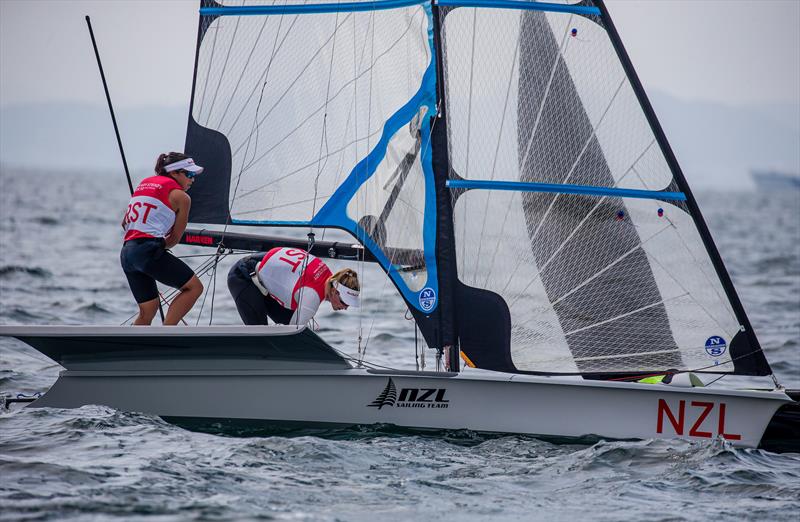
(334, 211)
(518, 4)
(244, 10)
(564, 189)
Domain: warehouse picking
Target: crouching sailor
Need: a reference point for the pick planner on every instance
(155, 221)
(288, 285)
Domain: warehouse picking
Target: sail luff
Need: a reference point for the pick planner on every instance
(445, 227)
(750, 359)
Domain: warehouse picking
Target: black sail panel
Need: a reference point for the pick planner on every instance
(210, 193)
(564, 137)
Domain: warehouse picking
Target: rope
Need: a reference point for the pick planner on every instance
(167, 299)
(323, 142)
(676, 372)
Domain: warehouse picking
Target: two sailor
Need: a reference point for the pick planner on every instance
(287, 285)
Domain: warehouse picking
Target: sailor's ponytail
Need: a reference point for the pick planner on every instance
(160, 162)
(347, 277)
(167, 159)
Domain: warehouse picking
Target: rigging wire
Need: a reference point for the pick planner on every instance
(241, 76)
(494, 166)
(213, 279)
(323, 142)
(362, 210)
(239, 177)
(280, 98)
(265, 72)
(167, 298)
(700, 369)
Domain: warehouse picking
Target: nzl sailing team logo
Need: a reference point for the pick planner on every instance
(427, 299)
(410, 397)
(716, 346)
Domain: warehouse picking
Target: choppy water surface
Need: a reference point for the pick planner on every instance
(59, 241)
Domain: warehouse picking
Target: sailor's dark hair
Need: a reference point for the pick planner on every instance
(168, 159)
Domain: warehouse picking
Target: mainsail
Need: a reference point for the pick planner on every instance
(498, 159)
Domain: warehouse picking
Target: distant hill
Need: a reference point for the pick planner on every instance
(69, 136)
(716, 145)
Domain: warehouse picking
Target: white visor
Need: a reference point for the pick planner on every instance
(187, 164)
(348, 296)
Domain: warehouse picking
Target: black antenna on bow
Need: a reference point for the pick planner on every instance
(114, 121)
(110, 107)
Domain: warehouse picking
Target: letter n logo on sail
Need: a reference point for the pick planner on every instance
(665, 411)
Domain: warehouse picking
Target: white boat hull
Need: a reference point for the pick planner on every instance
(487, 403)
(258, 390)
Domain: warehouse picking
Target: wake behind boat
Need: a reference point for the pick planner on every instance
(501, 163)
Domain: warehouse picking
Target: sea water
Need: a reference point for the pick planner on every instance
(59, 246)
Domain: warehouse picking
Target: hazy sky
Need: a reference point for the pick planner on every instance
(731, 51)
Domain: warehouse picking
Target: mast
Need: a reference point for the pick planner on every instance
(751, 352)
(445, 228)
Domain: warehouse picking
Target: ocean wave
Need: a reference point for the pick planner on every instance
(17, 314)
(45, 220)
(10, 270)
(93, 308)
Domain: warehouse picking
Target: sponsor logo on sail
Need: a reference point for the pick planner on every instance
(716, 346)
(427, 299)
(410, 397)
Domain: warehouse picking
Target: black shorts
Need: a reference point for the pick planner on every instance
(146, 261)
(253, 306)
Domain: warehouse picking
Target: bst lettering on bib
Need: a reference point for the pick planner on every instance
(149, 212)
(293, 257)
(133, 211)
(283, 271)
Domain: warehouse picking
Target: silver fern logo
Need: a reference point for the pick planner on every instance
(386, 398)
(410, 397)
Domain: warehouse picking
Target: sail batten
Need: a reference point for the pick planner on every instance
(559, 188)
(522, 5)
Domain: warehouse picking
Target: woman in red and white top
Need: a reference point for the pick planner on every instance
(154, 221)
(288, 285)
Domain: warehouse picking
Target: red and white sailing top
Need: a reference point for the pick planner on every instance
(281, 273)
(149, 211)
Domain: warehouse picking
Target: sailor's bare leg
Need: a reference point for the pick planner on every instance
(147, 311)
(184, 301)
